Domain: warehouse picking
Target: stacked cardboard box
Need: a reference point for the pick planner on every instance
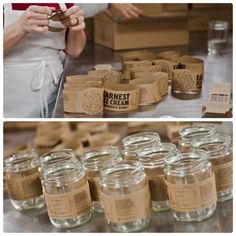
(160, 30)
(201, 14)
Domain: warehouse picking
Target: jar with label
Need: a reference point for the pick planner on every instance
(56, 157)
(67, 194)
(152, 159)
(93, 161)
(219, 148)
(22, 181)
(133, 142)
(188, 78)
(126, 197)
(187, 134)
(190, 185)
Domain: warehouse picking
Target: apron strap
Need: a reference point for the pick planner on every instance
(37, 84)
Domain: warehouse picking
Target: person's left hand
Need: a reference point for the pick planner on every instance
(73, 18)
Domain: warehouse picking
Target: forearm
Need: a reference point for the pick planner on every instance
(13, 34)
(76, 41)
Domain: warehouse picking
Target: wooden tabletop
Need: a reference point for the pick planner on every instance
(217, 69)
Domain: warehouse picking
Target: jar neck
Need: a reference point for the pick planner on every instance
(20, 161)
(99, 157)
(216, 145)
(187, 163)
(187, 134)
(60, 174)
(56, 157)
(123, 173)
(154, 157)
(134, 142)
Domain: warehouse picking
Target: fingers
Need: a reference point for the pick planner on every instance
(39, 29)
(68, 22)
(136, 9)
(75, 10)
(40, 9)
(79, 27)
(35, 15)
(37, 22)
(131, 11)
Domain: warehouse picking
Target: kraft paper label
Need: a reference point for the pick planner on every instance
(104, 139)
(149, 92)
(81, 79)
(104, 67)
(192, 197)
(68, 205)
(143, 71)
(128, 207)
(121, 97)
(162, 82)
(187, 80)
(224, 176)
(167, 66)
(83, 85)
(94, 186)
(88, 101)
(23, 188)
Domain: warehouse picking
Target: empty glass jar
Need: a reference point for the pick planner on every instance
(187, 134)
(219, 148)
(132, 143)
(153, 163)
(67, 194)
(126, 196)
(22, 180)
(93, 161)
(191, 185)
(56, 157)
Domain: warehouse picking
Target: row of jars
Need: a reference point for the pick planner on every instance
(125, 190)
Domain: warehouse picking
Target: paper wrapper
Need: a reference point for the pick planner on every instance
(137, 56)
(88, 101)
(93, 127)
(104, 67)
(121, 97)
(104, 139)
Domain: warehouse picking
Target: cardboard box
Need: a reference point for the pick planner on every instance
(199, 19)
(150, 9)
(176, 7)
(169, 29)
(197, 6)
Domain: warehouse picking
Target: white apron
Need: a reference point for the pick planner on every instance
(32, 72)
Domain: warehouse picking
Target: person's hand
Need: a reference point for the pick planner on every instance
(73, 18)
(35, 19)
(126, 10)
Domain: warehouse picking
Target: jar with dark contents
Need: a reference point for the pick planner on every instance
(187, 134)
(22, 181)
(93, 161)
(126, 196)
(219, 149)
(190, 185)
(67, 194)
(153, 163)
(132, 143)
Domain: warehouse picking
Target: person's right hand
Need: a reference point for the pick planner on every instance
(35, 19)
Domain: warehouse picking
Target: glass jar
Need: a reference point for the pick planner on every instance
(219, 149)
(56, 157)
(93, 161)
(67, 195)
(187, 134)
(133, 142)
(126, 196)
(22, 181)
(190, 185)
(153, 163)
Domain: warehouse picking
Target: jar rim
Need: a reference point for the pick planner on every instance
(21, 160)
(121, 172)
(224, 141)
(194, 159)
(133, 141)
(49, 156)
(187, 132)
(48, 173)
(92, 159)
(145, 155)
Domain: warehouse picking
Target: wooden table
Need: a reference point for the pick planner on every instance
(217, 69)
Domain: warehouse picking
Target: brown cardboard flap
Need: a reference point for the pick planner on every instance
(103, 67)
